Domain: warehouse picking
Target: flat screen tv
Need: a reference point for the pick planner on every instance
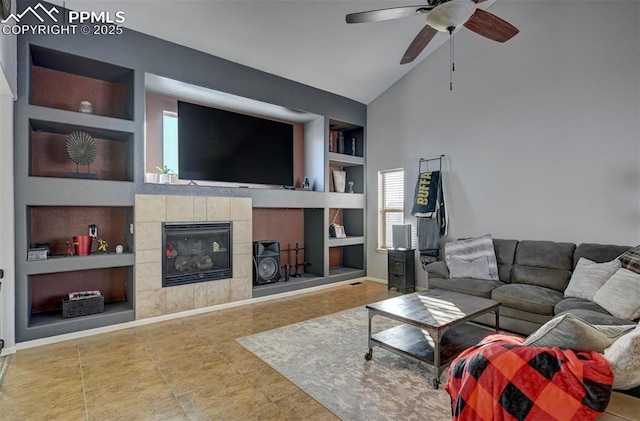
(220, 145)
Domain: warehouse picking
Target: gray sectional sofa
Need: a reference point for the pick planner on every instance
(533, 276)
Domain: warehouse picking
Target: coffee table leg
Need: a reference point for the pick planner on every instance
(497, 312)
(369, 354)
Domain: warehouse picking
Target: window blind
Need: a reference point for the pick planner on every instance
(390, 204)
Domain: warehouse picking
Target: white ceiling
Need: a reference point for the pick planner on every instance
(303, 40)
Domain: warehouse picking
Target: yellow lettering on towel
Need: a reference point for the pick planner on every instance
(423, 189)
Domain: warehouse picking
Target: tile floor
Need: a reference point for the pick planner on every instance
(186, 369)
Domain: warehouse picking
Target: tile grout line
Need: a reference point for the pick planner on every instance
(155, 365)
(84, 392)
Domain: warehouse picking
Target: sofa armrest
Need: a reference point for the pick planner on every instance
(437, 270)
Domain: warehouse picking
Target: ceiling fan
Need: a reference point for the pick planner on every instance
(444, 16)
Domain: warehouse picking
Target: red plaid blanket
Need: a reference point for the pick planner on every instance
(499, 379)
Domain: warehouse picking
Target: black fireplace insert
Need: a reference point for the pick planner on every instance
(196, 252)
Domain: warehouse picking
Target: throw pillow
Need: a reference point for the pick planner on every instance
(571, 332)
(624, 358)
(476, 269)
(631, 259)
(471, 249)
(620, 295)
(588, 277)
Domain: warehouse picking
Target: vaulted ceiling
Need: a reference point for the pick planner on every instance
(304, 40)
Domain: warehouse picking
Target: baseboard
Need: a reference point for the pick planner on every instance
(8, 351)
(142, 322)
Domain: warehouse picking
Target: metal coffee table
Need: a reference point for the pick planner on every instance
(433, 329)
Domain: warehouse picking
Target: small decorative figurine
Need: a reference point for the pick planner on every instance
(119, 248)
(102, 246)
(69, 248)
(350, 186)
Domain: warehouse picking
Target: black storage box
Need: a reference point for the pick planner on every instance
(82, 306)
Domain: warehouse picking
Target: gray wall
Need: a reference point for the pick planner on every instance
(541, 133)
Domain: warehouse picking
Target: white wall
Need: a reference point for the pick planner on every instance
(8, 58)
(7, 239)
(541, 133)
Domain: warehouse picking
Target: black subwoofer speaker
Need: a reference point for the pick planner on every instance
(266, 262)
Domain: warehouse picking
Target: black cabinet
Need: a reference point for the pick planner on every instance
(402, 269)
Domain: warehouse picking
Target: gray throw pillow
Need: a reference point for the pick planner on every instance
(631, 259)
(475, 269)
(588, 277)
(570, 332)
(624, 358)
(471, 249)
(620, 295)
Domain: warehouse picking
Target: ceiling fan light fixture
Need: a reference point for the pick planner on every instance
(452, 14)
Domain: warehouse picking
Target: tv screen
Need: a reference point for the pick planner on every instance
(219, 145)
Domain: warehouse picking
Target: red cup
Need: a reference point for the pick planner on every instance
(82, 245)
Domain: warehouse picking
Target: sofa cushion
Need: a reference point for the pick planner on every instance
(573, 303)
(476, 287)
(515, 313)
(620, 295)
(570, 332)
(531, 298)
(475, 269)
(543, 263)
(472, 248)
(598, 253)
(624, 358)
(596, 317)
(505, 255)
(588, 277)
(437, 269)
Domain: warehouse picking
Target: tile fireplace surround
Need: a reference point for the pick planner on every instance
(150, 211)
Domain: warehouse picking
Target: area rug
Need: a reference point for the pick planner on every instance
(325, 358)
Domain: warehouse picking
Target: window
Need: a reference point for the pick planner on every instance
(390, 204)
(170, 140)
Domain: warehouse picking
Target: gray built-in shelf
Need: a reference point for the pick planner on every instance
(56, 72)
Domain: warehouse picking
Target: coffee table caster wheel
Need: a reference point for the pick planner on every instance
(368, 355)
(435, 383)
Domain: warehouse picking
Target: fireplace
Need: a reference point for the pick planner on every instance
(196, 252)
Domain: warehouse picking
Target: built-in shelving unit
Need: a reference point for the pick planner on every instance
(55, 201)
(58, 200)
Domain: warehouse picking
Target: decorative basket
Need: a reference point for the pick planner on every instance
(82, 306)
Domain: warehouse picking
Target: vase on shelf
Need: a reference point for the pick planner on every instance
(339, 181)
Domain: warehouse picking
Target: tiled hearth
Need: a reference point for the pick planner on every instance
(150, 211)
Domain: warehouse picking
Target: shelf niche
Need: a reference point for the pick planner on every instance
(58, 224)
(47, 290)
(346, 259)
(290, 226)
(62, 81)
(49, 158)
(349, 132)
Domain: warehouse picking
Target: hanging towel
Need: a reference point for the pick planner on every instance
(431, 212)
(425, 202)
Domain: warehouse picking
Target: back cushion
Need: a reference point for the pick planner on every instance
(505, 254)
(598, 253)
(543, 263)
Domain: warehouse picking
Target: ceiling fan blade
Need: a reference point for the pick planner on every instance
(478, 1)
(490, 26)
(417, 45)
(387, 14)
